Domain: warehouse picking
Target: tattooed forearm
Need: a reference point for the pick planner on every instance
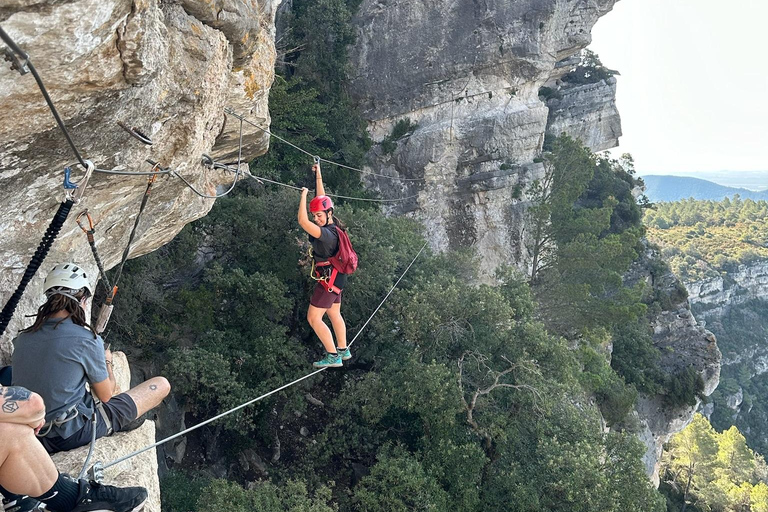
(12, 395)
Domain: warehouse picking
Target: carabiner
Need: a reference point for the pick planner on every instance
(75, 191)
(90, 221)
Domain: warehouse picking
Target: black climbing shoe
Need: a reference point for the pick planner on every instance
(25, 504)
(97, 497)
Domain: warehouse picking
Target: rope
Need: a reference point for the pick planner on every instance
(183, 432)
(265, 130)
(131, 237)
(92, 242)
(37, 260)
(217, 165)
(28, 63)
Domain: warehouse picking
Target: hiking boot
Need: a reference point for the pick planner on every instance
(23, 504)
(329, 361)
(97, 497)
(344, 353)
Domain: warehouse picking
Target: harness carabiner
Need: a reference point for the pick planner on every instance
(75, 191)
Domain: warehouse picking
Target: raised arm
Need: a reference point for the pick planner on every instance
(319, 189)
(306, 224)
(22, 406)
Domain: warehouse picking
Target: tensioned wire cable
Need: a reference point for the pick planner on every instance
(266, 130)
(246, 404)
(216, 165)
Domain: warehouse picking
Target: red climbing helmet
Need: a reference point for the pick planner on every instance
(320, 204)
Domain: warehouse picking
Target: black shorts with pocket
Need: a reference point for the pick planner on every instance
(121, 410)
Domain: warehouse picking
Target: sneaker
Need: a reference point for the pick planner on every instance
(329, 361)
(106, 498)
(344, 353)
(23, 504)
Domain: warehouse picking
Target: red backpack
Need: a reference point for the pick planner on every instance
(345, 259)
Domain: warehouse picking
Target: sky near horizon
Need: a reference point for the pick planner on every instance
(693, 90)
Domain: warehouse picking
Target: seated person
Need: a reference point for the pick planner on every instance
(60, 353)
(28, 471)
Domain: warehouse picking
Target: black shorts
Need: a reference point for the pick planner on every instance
(323, 299)
(121, 410)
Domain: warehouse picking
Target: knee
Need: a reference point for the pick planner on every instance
(163, 386)
(12, 433)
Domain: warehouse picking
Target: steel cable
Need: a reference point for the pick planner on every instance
(361, 171)
(99, 467)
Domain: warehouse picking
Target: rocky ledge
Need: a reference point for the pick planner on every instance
(140, 470)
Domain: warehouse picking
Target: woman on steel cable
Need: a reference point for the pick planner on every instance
(323, 231)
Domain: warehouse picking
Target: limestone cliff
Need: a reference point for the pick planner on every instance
(168, 69)
(468, 78)
(682, 344)
(469, 74)
(732, 302)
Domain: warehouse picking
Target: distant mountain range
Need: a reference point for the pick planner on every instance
(673, 188)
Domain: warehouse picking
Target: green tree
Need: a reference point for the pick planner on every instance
(690, 459)
(568, 168)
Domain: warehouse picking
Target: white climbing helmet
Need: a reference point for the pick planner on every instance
(67, 275)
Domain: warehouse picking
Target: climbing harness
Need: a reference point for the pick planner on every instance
(327, 279)
(63, 418)
(97, 471)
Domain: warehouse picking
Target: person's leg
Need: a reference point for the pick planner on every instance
(27, 470)
(315, 319)
(25, 467)
(149, 394)
(339, 327)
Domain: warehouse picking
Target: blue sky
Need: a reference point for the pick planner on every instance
(693, 90)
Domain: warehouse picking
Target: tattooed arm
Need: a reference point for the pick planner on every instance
(20, 405)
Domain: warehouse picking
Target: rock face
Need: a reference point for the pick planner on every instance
(733, 304)
(587, 112)
(716, 294)
(468, 74)
(682, 344)
(168, 69)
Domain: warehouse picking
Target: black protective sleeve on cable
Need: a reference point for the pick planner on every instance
(37, 260)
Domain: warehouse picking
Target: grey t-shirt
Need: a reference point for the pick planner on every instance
(56, 363)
